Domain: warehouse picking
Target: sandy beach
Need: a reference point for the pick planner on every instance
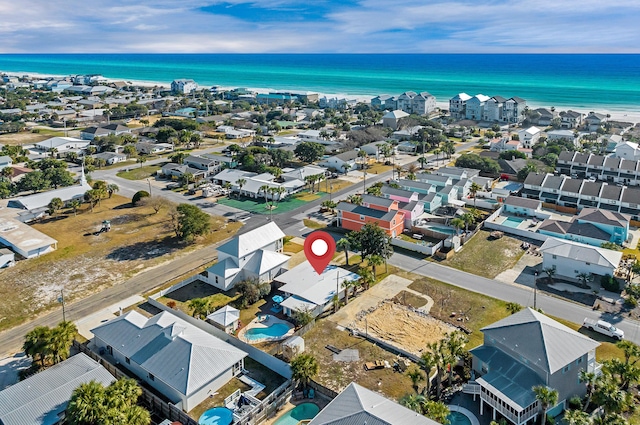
(615, 115)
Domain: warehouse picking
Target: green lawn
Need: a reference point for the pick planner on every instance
(258, 206)
(486, 257)
(139, 173)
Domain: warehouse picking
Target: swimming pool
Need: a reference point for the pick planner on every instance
(300, 412)
(458, 418)
(277, 330)
(439, 229)
(512, 222)
(216, 416)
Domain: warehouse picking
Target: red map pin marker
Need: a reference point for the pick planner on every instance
(319, 248)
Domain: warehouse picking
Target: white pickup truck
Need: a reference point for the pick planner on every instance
(604, 328)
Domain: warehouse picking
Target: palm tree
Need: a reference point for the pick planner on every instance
(454, 343)
(303, 368)
(366, 277)
(436, 410)
(200, 307)
(355, 199)
(87, 404)
(473, 190)
(75, 204)
(93, 196)
(437, 351)
(347, 285)
(416, 376)
(468, 219)
(422, 160)
(551, 272)
(427, 362)
(400, 170)
(265, 190)
(589, 378)
(576, 417)
(141, 159)
(344, 245)
(36, 344)
(547, 397)
(123, 391)
(55, 205)
(413, 402)
(345, 167)
(240, 183)
(458, 223)
(374, 260)
(436, 152)
(7, 173)
(584, 279)
(187, 178)
(411, 171)
(513, 308)
(61, 338)
(112, 188)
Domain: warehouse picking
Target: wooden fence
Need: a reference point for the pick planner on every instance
(151, 401)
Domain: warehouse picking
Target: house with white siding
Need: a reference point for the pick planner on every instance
(181, 361)
(570, 258)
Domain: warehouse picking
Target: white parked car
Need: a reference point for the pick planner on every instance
(604, 328)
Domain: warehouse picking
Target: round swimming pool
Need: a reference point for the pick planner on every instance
(277, 330)
(216, 416)
(299, 413)
(458, 418)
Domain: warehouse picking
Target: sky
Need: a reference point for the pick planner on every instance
(320, 26)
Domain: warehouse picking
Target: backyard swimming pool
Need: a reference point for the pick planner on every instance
(298, 413)
(441, 229)
(513, 222)
(277, 330)
(458, 418)
(216, 416)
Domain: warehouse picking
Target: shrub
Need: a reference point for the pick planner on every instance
(171, 304)
(575, 402)
(631, 301)
(610, 283)
(138, 196)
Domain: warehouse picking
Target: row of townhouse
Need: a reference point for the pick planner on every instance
(612, 169)
(485, 108)
(578, 193)
(404, 201)
(422, 103)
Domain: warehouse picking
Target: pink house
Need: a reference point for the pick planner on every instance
(400, 195)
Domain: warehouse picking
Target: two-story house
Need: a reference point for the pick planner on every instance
(458, 106)
(475, 107)
(256, 254)
(529, 136)
(183, 86)
(382, 211)
(570, 119)
(525, 350)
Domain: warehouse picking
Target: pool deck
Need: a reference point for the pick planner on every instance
(319, 400)
(257, 323)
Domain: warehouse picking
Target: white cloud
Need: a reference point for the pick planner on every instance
(360, 26)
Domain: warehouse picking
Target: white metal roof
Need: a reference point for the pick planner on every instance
(305, 283)
(225, 315)
(253, 240)
(177, 353)
(581, 252)
(40, 200)
(40, 398)
(356, 405)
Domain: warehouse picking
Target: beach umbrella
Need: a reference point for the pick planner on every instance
(277, 299)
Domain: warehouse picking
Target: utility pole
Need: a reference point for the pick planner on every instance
(149, 181)
(61, 300)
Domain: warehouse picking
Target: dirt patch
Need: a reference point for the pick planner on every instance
(409, 299)
(22, 138)
(399, 326)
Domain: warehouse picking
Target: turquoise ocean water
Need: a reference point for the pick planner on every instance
(579, 80)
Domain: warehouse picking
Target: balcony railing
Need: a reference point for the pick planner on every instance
(471, 388)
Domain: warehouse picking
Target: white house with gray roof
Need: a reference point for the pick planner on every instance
(182, 362)
(570, 258)
(522, 351)
(42, 398)
(306, 290)
(255, 254)
(358, 405)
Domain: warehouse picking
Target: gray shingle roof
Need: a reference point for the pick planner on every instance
(612, 162)
(566, 156)
(631, 195)
(377, 200)
(539, 339)
(610, 218)
(591, 188)
(535, 179)
(367, 212)
(581, 158)
(40, 398)
(356, 405)
(553, 182)
(177, 353)
(586, 253)
(572, 185)
(596, 160)
(516, 201)
(611, 192)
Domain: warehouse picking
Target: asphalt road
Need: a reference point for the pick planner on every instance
(554, 306)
